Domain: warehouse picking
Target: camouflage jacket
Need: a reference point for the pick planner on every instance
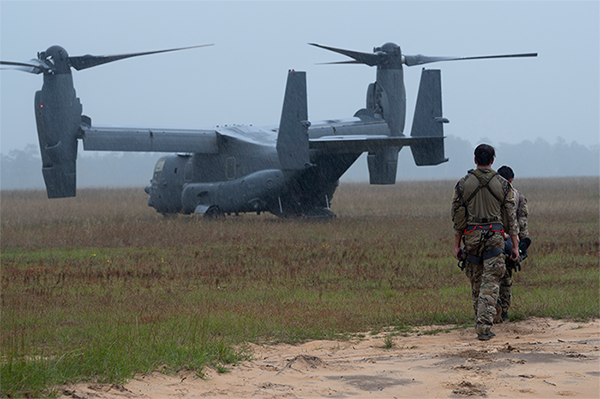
(522, 214)
(476, 203)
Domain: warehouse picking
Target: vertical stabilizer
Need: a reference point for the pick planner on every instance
(428, 120)
(292, 141)
(383, 166)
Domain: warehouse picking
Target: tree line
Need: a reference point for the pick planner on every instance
(21, 169)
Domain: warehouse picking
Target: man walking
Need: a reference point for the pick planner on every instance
(484, 208)
(522, 214)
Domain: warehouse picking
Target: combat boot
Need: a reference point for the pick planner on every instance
(485, 337)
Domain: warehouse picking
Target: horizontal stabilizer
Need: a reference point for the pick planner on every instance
(355, 144)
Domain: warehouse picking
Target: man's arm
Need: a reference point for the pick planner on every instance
(514, 255)
(459, 218)
(522, 214)
(509, 210)
(457, 249)
(512, 226)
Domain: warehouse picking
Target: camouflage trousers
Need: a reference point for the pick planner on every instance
(505, 290)
(485, 278)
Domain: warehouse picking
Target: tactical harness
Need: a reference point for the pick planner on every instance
(482, 255)
(484, 180)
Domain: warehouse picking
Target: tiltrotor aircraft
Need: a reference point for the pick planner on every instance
(289, 170)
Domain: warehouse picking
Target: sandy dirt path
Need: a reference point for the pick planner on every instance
(536, 358)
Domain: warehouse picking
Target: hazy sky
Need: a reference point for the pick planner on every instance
(241, 79)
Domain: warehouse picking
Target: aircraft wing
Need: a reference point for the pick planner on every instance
(364, 143)
(149, 140)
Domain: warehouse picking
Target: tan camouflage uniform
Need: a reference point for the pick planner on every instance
(506, 280)
(480, 215)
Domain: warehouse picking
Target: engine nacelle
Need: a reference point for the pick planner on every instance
(58, 117)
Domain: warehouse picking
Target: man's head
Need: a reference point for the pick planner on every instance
(506, 172)
(484, 155)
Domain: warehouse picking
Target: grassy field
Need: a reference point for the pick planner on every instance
(100, 287)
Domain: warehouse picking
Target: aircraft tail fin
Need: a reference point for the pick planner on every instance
(428, 121)
(292, 141)
(383, 165)
(58, 118)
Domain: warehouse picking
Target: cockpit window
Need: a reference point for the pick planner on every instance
(158, 171)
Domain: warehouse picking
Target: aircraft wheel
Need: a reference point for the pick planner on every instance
(214, 213)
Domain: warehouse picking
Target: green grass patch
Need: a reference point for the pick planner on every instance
(101, 290)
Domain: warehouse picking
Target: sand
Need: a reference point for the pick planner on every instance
(536, 358)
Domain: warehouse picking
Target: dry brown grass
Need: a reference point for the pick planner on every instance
(103, 267)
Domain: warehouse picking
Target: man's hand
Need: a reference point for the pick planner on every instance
(514, 255)
(458, 252)
(457, 248)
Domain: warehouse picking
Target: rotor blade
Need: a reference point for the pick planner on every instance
(17, 64)
(420, 59)
(339, 62)
(25, 67)
(88, 61)
(370, 59)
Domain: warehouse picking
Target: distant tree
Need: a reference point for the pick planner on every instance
(527, 158)
(542, 159)
(116, 169)
(21, 169)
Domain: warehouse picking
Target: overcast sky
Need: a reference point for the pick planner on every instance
(241, 79)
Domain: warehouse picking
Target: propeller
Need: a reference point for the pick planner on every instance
(390, 54)
(56, 59)
(371, 59)
(88, 61)
(34, 66)
(420, 59)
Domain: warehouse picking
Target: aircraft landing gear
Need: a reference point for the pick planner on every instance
(214, 213)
